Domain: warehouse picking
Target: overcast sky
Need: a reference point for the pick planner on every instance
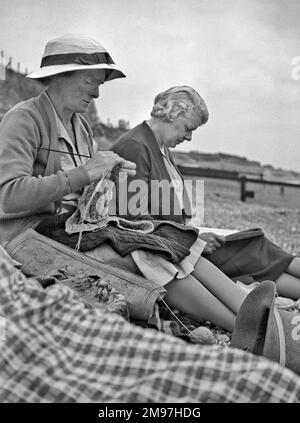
(236, 53)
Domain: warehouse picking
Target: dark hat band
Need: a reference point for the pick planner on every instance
(77, 58)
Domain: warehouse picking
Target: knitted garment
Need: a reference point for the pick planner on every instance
(92, 211)
(168, 239)
(90, 226)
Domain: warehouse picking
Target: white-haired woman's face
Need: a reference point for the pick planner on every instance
(180, 130)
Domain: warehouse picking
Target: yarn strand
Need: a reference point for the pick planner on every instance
(179, 321)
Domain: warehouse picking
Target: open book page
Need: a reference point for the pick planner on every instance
(218, 231)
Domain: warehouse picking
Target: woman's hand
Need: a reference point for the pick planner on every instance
(104, 161)
(213, 241)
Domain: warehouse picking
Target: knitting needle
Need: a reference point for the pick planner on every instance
(67, 152)
(63, 152)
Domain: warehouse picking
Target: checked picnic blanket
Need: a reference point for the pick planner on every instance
(54, 348)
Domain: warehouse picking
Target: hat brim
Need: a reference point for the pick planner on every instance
(252, 320)
(263, 329)
(46, 71)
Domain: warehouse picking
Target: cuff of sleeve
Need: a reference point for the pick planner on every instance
(78, 178)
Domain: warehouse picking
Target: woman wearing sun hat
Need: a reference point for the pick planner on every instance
(38, 183)
(35, 180)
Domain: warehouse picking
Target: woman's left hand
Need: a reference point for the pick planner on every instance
(125, 167)
(128, 167)
(213, 241)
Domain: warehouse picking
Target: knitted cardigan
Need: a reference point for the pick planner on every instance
(32, 183)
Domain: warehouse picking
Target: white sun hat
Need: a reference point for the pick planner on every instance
(75, 52)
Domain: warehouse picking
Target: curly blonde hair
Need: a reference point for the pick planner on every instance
(169, 104)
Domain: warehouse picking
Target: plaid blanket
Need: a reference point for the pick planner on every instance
(55, 348)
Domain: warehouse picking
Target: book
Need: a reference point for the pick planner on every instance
(247, 233)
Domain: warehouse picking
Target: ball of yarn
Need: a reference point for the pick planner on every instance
(202, 335)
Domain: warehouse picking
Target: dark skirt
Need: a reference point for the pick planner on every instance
(257, 258)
